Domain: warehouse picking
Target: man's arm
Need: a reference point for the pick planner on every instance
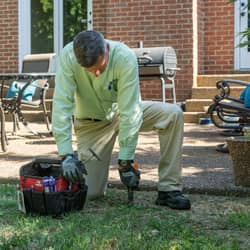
(63, 103)
(129, 106)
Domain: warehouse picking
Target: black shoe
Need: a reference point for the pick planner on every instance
(173, 199)
(223, 148)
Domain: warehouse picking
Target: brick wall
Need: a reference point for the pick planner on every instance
(9, 36)
(156, 23)
(218, 37)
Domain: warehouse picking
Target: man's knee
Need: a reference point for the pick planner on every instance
(96, 181)
(178, 113)
(172, 110)
(95, 195)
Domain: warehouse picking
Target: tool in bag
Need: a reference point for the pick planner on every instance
(44, 191)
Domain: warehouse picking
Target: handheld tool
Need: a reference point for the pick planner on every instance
(131, 189)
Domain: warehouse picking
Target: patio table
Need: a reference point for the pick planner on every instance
(15, 103)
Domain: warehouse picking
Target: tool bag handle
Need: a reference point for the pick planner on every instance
(45, 163)
(46, 160)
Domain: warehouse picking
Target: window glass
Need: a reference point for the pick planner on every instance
(42, 26)
(74, 13)
(74, 18)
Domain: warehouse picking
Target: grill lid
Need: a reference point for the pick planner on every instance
(156, 61)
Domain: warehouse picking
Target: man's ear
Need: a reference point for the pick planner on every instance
(107, 47)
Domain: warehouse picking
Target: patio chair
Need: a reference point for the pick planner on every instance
(39, 63)
(31, 94)
(228, 112)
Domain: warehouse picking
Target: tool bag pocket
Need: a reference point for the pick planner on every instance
(54, 203)
(75, 200)
(37, 195)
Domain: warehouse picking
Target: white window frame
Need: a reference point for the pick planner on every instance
(24, 41)
(237, 38)
(24, 26)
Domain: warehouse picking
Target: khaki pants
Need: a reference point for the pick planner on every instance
(100, 136)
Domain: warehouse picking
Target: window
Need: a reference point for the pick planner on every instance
(45, 26)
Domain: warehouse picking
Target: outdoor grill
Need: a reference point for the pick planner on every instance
(160, 63)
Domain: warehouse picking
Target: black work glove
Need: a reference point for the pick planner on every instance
(129, 176)
(73, 170)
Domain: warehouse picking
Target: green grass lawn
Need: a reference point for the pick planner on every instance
(214, 222)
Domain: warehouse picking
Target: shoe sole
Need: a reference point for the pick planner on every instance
(172, 205)
(222, 148)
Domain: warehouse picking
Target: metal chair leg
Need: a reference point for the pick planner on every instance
(46, 116)
(4, 141)
(15, 126)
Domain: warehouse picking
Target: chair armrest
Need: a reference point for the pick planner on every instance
(237, 82)
(224, 86)
(45, 85)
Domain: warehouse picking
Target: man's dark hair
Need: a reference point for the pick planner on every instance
(88, 46)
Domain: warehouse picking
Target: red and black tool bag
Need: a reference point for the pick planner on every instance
(34, 198)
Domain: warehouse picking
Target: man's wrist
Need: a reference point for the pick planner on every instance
(63, 157)
(124, 165)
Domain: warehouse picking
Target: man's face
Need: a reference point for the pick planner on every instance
(100, 65)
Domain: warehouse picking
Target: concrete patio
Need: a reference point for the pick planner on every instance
(204, 169)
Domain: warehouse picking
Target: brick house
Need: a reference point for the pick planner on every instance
(203, 33)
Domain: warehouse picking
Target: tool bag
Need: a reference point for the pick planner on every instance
(44, 191)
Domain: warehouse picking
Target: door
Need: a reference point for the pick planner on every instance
(45, 26)
(242, 23)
